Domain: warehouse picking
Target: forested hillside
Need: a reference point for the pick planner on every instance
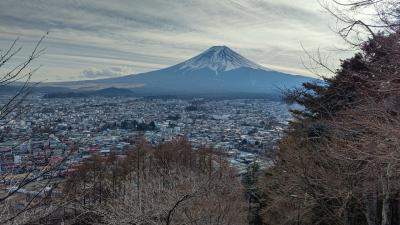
(165, 184)
(339, 160)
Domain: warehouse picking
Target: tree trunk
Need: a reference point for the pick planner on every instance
(371, 204)
(386, 210)
(386, 217)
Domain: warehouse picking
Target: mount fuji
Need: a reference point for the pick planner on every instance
(218, 70)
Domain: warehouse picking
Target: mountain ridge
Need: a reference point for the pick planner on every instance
(217, 70)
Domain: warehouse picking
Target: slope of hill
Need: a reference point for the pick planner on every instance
(107, 92)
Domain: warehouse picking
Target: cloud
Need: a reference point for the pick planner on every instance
(105, 72)
(153, 34)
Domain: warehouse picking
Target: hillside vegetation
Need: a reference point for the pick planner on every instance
(339, 160)
(165, 184)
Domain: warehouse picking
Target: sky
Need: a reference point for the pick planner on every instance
(92, 39)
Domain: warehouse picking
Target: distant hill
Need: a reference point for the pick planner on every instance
(107, 92)
(112, 92)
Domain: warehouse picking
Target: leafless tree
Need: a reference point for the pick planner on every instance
(338, 163)
(18, 75)
(166, 184)
(23, 197)
(358, 20)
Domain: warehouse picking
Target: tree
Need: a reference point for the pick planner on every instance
(337, 163)
(17, 73)
(359, 20)
(17, 204)
(166, 184)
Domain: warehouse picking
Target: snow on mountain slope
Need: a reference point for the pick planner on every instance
(218, 59)
(218, 70)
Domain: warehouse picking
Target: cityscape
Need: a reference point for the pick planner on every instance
(246, 130)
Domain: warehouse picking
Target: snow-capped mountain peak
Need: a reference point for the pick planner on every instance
(218, 71)
(218, 59)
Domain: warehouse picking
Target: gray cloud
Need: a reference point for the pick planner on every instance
(90, 35)
(105, 72)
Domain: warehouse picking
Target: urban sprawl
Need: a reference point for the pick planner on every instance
(42, 131)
